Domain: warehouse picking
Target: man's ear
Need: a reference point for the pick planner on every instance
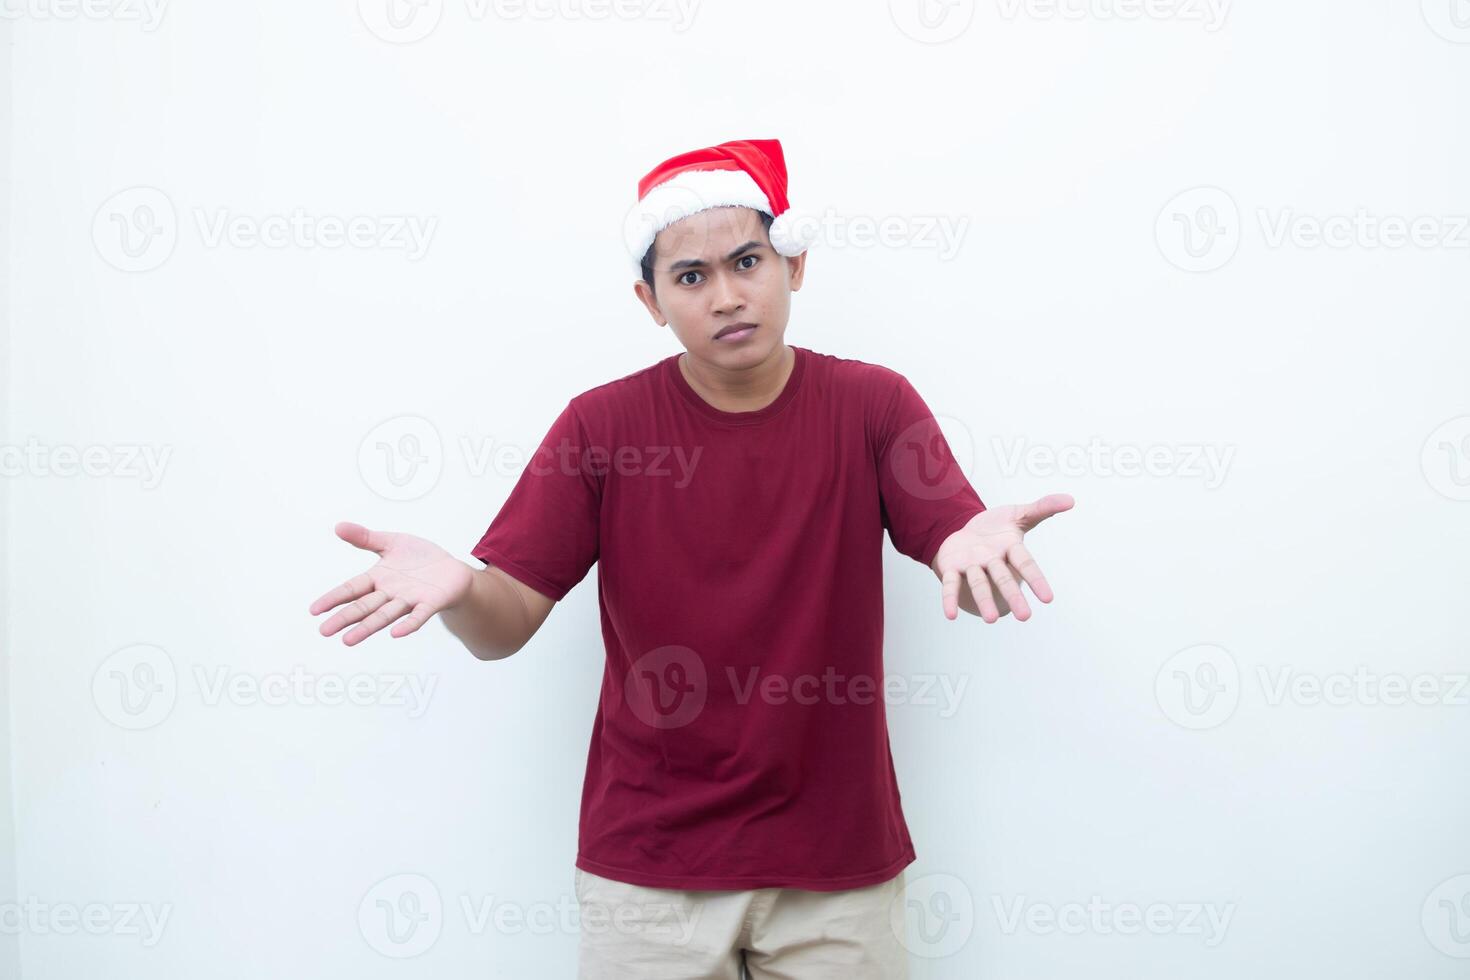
(797, 267)
(644, 292)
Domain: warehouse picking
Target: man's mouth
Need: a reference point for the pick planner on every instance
(735, 331)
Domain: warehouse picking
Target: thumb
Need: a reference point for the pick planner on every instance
(1039, 510)
(360, 537)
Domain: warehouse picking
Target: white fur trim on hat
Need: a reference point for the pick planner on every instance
(689, 193)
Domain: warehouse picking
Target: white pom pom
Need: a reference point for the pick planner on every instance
(793, 232)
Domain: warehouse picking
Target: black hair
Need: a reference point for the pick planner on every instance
(648, 257)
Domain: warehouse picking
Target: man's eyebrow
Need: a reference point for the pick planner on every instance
(695, 263)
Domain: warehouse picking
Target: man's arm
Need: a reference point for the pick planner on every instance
(497, 615)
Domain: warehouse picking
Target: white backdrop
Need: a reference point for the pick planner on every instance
(1200, 264)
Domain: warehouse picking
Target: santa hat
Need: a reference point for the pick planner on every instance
(748, 173)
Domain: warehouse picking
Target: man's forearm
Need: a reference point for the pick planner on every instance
(490, 620)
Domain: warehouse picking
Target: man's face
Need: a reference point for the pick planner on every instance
(717, 268)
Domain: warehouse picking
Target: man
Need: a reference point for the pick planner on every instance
(740, 807)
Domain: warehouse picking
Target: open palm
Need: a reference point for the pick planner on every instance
(987, 554)
(413, 579)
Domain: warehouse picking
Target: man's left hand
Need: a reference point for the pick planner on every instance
(989, 554)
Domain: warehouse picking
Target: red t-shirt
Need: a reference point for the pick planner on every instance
(740, 740)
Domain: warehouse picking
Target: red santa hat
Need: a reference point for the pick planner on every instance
(747, 173)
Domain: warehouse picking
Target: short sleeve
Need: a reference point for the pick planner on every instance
(546, 532)
(925, 495)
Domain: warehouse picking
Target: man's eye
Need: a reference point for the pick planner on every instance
(753, 258)
(689, 273)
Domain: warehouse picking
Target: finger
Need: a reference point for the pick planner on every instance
(389, 612)
(1039, 510)
(360, 537)
(1025, 566)
(980, 589)
(951, 594)
(420, 615)
(355, 612)
(1005, 583)
(354, 588)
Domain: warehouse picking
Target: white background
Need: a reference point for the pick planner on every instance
(1076, 151)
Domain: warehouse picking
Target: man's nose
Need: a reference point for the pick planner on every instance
(727, 296)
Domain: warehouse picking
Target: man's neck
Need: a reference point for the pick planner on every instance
(746, 390)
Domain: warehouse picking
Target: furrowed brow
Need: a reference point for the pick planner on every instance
(699, 263)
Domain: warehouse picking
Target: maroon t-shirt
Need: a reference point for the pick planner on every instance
(741, 739)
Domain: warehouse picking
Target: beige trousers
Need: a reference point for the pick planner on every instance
(630, 932)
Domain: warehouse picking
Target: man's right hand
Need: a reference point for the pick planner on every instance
(412, 580)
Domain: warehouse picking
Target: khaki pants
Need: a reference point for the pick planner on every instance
(638, 933)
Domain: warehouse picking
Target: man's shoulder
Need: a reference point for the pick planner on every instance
(865, 377)
(632, 388)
